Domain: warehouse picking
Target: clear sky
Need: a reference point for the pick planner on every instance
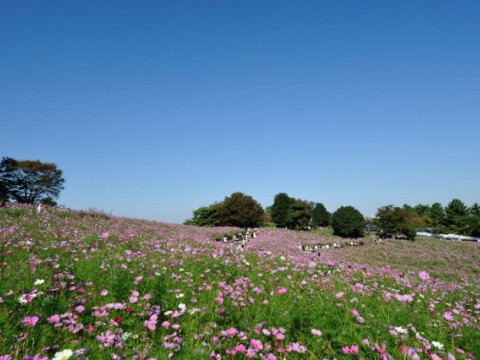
(154, 108)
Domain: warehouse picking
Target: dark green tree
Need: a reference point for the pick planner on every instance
(456, 217)
(423, 210)
(474, 220)
(241, 210)
(320, 216)
(281, 208)
(348, 222)
(388, 220)
(298, 215)
(48, 201)
(205, 216)
(30, 181)
(3, 193)
(436, 217)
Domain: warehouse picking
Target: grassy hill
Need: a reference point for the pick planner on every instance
(103, 287)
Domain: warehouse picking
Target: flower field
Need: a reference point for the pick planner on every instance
(86, 285)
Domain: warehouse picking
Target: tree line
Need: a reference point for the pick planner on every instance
(242, 210)
(455, 217)
(33, 181)
(288, 212)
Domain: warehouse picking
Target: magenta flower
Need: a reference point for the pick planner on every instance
(256, 344)
(282, 291)
(232, 332)
(240, 348)
(383, 351)
(423, 275)
(353, 350)
(30, 321)
(106, 338)
(448, 316)
(151, 324)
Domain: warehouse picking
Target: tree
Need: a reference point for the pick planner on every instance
(474, 220)
(241, 210)
(48, 201)
(281, 208)
(422, 209)
(388, 220)
(320, 216)
(206, 216)
(436, 217)
(456, 217)
(3, 193)
(405, 221)
(30, 181)
(348, 222)
(298, 215)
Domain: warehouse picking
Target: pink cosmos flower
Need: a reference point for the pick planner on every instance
(240, 348)
(423, 275)
(316, 332)
(151, 324)
(215, 356)
(383, 351)
(106, 338)
(219, 300)
(282, 291)
(266, 332)
(250, 353)
(30, 321)
(353, 350)
(232, 332)
(256, 344)
(448, 316)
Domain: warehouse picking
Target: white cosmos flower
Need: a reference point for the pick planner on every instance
(437, 345)
(39, 282)
(63, 355)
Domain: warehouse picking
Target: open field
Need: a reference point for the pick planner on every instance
(102, 287)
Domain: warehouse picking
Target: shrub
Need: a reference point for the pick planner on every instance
(410, 233)
(348, 222)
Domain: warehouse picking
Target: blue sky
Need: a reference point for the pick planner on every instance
(154, 108)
